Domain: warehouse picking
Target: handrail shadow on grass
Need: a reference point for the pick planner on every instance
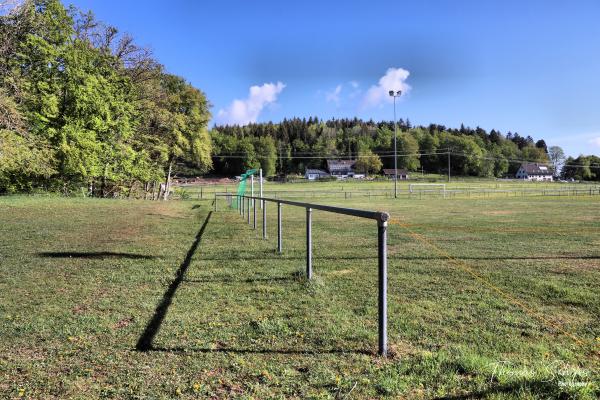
(260, 351)
(94, 255)
(243, 280)
(393, 257)
(145, 341)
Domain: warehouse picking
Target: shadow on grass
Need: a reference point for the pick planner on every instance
(247, 280)
(259, 351)
(544, 389)
(391, 257)
(94, 255)
(145, 341)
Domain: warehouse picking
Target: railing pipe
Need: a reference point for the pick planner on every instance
(381, 218)
(254, 212)
(382, 275)
(279, 230)
(308, 243)
(248, 208)
(264, 210)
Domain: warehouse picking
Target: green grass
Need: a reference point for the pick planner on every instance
(462, 187)
(82, 280)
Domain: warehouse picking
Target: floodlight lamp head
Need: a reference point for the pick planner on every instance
(391, 92)
(399, 93)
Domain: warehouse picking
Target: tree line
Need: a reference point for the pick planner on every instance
(82, 105)
(582, 168)
(295, 144)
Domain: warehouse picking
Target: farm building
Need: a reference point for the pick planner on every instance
(341, 168)
(390, 173)
(313, 174)
(534, 172)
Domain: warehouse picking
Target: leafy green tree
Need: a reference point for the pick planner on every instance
(23, 162)
(368, 162)
(408, 149)
(266, 154)
(534, 154)
(583, 168)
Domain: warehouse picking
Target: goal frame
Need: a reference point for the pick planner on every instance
(412, 185)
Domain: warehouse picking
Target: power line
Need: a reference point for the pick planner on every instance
(387, 154)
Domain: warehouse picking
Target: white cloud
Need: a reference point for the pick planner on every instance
(354, 84)
(334, 95)
(394, 79)
(596, 141)
(242, 112)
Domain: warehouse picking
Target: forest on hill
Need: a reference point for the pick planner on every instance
(295, 144)
(83, 106)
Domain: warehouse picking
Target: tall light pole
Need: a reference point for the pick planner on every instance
(394, 95)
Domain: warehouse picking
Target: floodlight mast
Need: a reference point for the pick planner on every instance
(394, 95)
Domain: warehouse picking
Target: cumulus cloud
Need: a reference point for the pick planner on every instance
(245, 111)
(596, 141)
(334, 95)
(394, 79)
(354, 84)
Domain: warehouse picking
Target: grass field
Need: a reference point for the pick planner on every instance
(488, 298)
(351, 188)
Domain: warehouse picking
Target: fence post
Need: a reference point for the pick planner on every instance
(309, 243)
(254, 208)
(215, 202)
(279, 229)
(382, 255)
(260, 187)
(201, 193)
(248, 212)
(264, 208)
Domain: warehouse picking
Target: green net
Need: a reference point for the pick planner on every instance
(242, 186)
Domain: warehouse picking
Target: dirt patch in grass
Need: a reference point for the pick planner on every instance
(498, 212)
(594, 218)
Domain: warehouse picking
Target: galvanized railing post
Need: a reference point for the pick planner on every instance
(264, 209)
(248, 204)
(381, 218)
(308, 243)
(254, 211)
(279, 229)
(382, 256)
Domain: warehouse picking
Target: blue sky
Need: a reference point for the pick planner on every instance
(531, 67)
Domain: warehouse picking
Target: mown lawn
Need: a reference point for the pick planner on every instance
(488, 298)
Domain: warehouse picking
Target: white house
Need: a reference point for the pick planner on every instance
(341, 169)
(313, 174)
(534, 172)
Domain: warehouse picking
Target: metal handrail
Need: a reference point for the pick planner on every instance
(376, 215)
(245, 203)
